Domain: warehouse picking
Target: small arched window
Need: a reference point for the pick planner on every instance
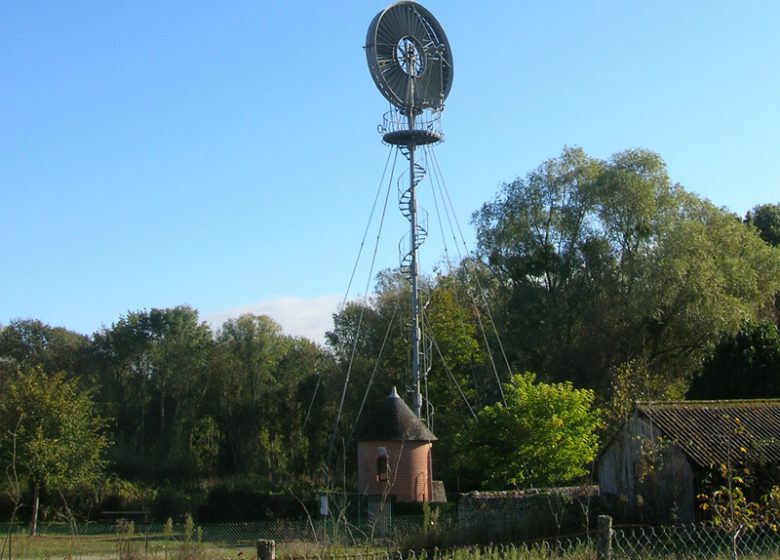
(381, 463)
(381, 468)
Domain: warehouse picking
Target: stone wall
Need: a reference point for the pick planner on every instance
(528, 514)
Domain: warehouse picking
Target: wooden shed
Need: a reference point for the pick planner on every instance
(658, 457)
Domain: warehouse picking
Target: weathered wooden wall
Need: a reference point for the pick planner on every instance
(648, 473)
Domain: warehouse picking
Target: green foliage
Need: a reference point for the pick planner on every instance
(460, 378)
(710, 274)
(743, 366)
(59, 439)
(189, 527)
(153, 368)
(263, 383)
(168, 527)
(49, 428)
(27, 343)
(600, 273)
(204, 446)
(187, 404)
(766, 219)
(117, 494)
(730, 505)
(546, 436)
(537, 237)
(605, 262)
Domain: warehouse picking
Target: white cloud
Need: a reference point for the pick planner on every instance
(298, 316)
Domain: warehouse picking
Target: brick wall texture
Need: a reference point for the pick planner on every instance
(409, 476)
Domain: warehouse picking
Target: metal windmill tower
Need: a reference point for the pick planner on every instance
(410, 61)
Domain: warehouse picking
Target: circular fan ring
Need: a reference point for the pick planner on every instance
(409, 57)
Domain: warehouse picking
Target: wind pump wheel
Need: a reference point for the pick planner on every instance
(409, 58)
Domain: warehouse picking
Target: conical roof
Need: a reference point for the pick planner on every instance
(394, 421)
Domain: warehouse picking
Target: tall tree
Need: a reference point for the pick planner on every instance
(766, 219)
(252, 349)
(49, 429)
(459, 377)
(154, 367)
(272, 421)
(745, 366)
(456, 372)
(545, 436)
(708, 274)
(371, 342)
(608, 262)
(539, 237)
(31, 343)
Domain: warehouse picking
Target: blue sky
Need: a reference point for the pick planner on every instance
(225, 155)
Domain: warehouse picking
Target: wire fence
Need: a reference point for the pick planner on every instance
(336, 539)
(695, 541)
(125, 539)
(320, 530)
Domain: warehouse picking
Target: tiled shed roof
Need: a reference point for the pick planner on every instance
(711, 431)
(393, 420)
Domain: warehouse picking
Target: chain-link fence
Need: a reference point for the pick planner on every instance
(281, 530)
(703, 541)
(297, 537)
(338, 539)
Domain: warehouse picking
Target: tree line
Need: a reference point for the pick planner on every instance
(604, 278)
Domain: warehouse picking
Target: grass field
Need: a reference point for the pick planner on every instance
(104, 546)
(93, 547)
(237, 541)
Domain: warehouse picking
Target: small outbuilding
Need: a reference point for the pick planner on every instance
(656, 461)
(394, 455)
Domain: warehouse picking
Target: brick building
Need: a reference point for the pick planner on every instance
(394, 455)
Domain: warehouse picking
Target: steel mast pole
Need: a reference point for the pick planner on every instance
(414, 268)
(413, 277)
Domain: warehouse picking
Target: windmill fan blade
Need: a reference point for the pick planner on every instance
(385, 52)
(397, 23)
(390, 30)
(417, 27)
(395, 76)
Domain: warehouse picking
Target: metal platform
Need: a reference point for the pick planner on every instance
(416, 137)
(424, 128)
